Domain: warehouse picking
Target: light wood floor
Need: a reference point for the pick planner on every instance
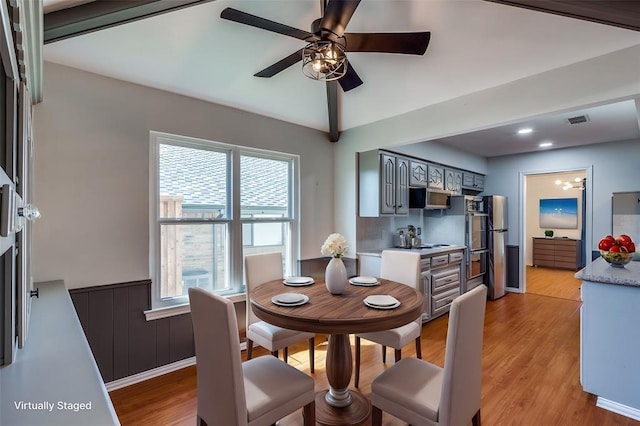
(530, 371)
(553, 282)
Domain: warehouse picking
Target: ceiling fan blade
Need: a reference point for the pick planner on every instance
(262, 23)
(332, 107)
(337, 15)
(350, 80)
(407, 43)
(281, 65)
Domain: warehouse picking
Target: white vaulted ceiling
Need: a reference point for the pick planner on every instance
(475, 45)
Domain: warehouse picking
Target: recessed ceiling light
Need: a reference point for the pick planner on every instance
(545, 144)
(525, 131)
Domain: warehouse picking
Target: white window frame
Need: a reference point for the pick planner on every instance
(174, 306)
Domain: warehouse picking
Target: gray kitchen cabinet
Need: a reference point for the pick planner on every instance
(418, 172)
(436, 177)
(383, 184)
(453, 181)
(473, 181)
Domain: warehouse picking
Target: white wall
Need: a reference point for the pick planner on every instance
(540, 186)
(91, 154)
(604, 79)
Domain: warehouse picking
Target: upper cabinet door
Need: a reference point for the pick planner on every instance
(467, 180)
(453, 181)
(418, 173)
(402, 186)
(388, 184)
(436, 177)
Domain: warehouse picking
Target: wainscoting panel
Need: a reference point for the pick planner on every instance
(315, 267)
(123, 342)
(121, 337)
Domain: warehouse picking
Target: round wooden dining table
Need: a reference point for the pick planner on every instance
(338, 316)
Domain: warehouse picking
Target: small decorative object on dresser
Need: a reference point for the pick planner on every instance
(335, 276)
(548, 233)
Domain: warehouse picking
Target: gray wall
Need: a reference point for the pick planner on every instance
(615, 166)
(92, 171)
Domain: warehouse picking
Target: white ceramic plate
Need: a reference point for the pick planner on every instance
(290, 299)
(395, 305)
(298, 281)
(381, 300)
(364, 281)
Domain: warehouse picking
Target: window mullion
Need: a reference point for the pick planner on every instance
(235, 227)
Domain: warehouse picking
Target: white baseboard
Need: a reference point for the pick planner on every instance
(150, 374)
(618, 408)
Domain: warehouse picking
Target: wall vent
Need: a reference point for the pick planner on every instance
(578, 119)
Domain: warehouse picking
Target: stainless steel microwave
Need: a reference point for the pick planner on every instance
(421, 198)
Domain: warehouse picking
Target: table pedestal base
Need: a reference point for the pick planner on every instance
(355, 413)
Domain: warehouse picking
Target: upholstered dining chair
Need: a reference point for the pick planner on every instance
(258, 392)
(259, 269)
(421, 393)
(402, 267)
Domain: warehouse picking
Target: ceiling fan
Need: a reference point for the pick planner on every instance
(324, 57)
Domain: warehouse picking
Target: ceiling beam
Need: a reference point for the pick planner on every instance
(101, 14)
(625, 14)
(332, 107)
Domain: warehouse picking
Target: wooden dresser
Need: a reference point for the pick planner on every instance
(564, 253)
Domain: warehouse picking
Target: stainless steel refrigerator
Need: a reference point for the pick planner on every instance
(625, 219)
(496, 272)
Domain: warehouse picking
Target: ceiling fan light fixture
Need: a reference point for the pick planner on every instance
(324, 60)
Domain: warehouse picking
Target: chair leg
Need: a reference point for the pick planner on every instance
(384, 353)
(249, 348)
(285, 353)
(398, 353)
(357, 379)
(200, 422)
(309, 414)
(376, 416)
(476, 419)
(418, 348)
(312, 352)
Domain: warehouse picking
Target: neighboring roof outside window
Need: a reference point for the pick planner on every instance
(199, 176)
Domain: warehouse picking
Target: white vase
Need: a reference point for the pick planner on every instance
(335, 276)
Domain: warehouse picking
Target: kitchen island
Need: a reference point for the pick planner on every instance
(610, 336)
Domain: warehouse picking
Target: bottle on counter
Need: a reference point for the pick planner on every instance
(402, 241)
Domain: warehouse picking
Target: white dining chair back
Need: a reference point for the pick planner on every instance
(403, 267)
(422, 393)
(259, 269)
(259, 392)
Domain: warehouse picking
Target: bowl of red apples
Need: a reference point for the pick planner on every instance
(617, 251)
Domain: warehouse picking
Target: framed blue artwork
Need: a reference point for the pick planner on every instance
(559, 213)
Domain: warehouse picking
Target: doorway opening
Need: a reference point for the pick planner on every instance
(555, 229)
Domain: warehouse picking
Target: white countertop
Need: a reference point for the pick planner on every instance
(423, 252)
(601, 272)
(54, 379)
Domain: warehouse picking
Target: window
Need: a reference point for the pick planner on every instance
(211, 204)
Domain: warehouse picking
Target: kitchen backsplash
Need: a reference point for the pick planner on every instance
(378, 233)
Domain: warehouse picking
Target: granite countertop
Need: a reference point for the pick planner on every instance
(423, 252)
(601, 272)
